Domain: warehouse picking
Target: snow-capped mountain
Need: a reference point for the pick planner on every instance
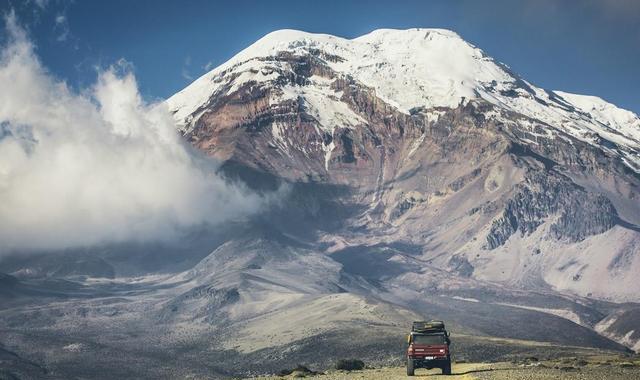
(409, 69)
(441, 150)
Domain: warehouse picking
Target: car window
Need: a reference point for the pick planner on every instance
(428, 339)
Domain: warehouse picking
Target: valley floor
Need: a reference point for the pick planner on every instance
(587, 369)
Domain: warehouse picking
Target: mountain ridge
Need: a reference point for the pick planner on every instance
(446, 69)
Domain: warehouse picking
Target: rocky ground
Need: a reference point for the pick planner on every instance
(595, 367)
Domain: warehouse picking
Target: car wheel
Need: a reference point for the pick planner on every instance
(446, 370)
(410, 369)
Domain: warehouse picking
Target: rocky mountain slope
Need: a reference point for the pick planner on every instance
(441, 150)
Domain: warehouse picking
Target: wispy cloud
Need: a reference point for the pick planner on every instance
(99, 166)
(186, 74)
(61, 27)
(42, 4)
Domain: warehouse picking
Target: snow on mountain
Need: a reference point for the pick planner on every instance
(620, 120)
(412, 68)
(418, 67)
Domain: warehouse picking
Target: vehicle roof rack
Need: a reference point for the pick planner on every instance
(428, 326)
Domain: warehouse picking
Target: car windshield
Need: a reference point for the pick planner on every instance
(428, 339)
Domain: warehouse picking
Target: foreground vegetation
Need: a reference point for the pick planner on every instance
(594, 367)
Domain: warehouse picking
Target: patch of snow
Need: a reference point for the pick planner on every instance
(415, 145)
(74, 347)
(627, 341)
(465, 299)
(604, 325)
(620, 120)
(562, 313)
(252, 72)
(324, 105)
(603, 328)
(328, 149)
(277, 131)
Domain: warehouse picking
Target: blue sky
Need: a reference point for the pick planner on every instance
(589, 46)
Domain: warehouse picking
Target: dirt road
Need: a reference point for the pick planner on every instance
(565, 369)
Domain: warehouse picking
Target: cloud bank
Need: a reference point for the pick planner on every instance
(80, 169)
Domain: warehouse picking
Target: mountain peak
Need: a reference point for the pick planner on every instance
(288, 35)
(409, 69)
(381, 34)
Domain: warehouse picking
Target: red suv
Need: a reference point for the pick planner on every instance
(428, 347)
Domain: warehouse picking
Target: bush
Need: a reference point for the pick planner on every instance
(350, 364)
(285, 372)
(300, 369)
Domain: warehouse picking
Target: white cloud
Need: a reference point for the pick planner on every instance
(185, 74)
(42, 3)
(61, 28)
(185, 69)
(101, 166)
